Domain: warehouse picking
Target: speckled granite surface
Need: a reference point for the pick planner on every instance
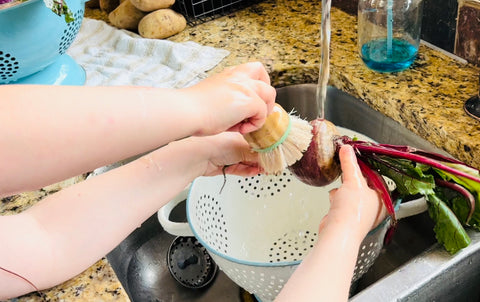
(284, 35)
(97, 284)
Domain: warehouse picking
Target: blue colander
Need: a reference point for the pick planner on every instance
(33, 42)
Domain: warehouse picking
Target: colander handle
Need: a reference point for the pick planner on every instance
(412, 207)
(174, 228)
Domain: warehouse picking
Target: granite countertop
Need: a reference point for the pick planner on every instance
(427, 98)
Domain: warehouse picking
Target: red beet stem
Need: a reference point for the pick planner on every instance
(409, 149)
(431, 155)
(378, 184)
(374, 148)
(468, 196)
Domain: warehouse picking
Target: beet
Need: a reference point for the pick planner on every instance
(319, 165)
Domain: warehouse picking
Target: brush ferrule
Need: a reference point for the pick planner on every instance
(278, 142)
(272, 132)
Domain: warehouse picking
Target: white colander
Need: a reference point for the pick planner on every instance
(258, 229)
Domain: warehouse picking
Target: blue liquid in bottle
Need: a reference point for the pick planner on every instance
(377, 57)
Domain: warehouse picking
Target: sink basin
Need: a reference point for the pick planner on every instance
(412, 267)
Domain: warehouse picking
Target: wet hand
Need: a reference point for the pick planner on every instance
(237, 99)
(354, 204)
(227, 152)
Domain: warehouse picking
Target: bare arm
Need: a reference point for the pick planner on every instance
(51, 133)
(326, 272)
(68, 231)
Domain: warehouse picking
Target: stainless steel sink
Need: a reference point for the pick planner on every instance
(413, 267)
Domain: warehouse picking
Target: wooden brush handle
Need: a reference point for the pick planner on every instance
(272, 131)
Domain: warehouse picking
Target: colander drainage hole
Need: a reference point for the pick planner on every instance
(8, 65)
(292, 248)
(211, 222)
(71, 31)
(264, 185)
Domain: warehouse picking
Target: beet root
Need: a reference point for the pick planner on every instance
(319, 165)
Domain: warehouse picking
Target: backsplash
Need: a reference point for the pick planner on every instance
(439, 23)
(440, 26)
(467, 43)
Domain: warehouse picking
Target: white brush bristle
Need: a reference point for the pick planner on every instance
(291, 150)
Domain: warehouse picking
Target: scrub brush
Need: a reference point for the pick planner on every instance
(281, 141)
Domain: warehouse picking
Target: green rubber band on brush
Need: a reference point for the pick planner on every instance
(279, 142)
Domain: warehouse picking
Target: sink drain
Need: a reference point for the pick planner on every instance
(189, 263)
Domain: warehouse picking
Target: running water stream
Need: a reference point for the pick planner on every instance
(324, 73)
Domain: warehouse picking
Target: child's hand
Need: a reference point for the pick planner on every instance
(227, 149)
(354, 204)
(237, 99)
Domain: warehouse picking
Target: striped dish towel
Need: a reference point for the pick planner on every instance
(113, 57)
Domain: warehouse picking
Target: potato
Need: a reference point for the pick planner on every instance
(151, 5)
(126, 16)
(161, 24)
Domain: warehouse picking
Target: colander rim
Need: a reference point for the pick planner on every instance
(387, 219)
(257, 263)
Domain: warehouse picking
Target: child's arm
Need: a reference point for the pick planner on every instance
(50, 133)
